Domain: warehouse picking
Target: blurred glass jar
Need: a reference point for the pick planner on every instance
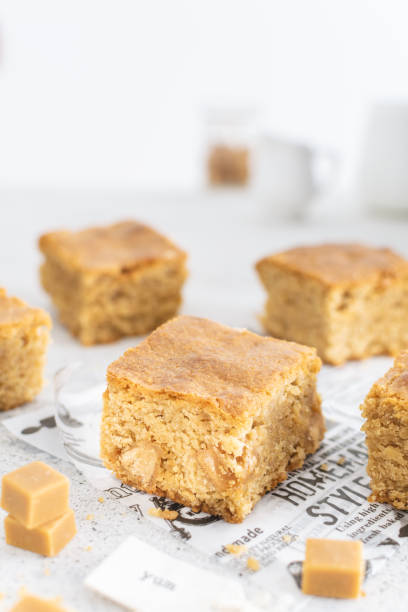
(228, 146)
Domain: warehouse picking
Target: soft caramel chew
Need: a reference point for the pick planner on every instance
(47, 539)
(348, 300)
(107, 282)
(210, 416)
(386, 427)
(34, 494)
(24, 335)
(32, 603)
(333, 568)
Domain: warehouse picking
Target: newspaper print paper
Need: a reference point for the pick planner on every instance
(326, 498)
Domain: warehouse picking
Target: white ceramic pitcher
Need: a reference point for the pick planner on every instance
(288, 175)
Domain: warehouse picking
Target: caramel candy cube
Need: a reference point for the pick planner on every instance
(333, 568)
(31, 603)
(35, 494)
(47, 539)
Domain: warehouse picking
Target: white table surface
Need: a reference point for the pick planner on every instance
(224, 237)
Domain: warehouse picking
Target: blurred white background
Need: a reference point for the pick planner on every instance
(109, 95)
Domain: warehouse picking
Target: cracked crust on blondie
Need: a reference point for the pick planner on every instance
(108, 282)
(350, 301)
(210, 416)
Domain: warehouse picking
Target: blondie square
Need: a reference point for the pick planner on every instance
(386, 427)
(333, 568)
(348, 300)
(24, 335)
(209, 416)
(107, 282)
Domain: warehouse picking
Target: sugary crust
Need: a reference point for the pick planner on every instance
(121, 247)
(202, 360)
(395, 381)
(14, 312)
(339, 264)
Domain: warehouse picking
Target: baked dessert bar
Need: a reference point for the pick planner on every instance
(209, 416)
(24, 335)
(386, 427)
(108, 282)
(348, 300)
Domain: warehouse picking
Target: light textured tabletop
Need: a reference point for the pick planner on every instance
(224, 237)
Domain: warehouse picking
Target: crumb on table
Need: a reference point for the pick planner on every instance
(235, 549)
(101, 500)
(253, 564)
(89, 517)
(169, 515)
(341, 460)
(324, 467)
(287, 538)
(88, 548)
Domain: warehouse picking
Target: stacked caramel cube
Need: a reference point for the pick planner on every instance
(37, 499)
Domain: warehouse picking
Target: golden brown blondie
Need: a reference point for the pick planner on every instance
(107, 282)
(24, 335)
(210, 416)
(386, 427)
(348, 300)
